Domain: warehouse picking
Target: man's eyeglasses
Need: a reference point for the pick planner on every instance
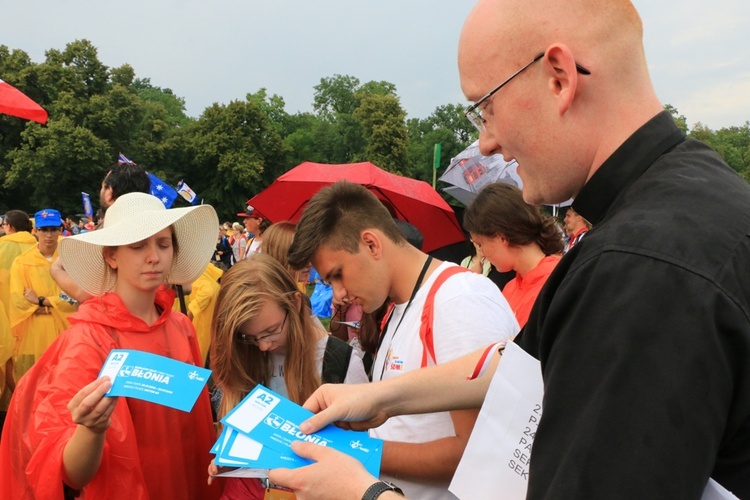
(250, 340)
(474, 113)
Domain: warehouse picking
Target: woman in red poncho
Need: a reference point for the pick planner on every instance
(514, 236)
(61, 434)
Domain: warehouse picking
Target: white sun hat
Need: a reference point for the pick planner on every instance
(134, 217)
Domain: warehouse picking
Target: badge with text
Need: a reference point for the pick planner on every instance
(154, 378)
(267, 419)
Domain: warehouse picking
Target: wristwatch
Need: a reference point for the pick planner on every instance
(41, 301)
(379, 488)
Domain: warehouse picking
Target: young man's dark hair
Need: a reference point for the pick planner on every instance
(336, 216)
(126, 178)
(18, 220)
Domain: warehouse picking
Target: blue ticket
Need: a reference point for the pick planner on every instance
(237, 450)
(273, 421)
(154, 378)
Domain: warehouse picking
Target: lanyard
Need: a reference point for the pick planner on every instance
(411, 299)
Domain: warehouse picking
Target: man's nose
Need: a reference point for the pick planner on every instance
(488, 146)
(339, 292)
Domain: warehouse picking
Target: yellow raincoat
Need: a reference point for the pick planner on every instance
(202, 304)
(11, 246)
(6, 350)
(35, 328)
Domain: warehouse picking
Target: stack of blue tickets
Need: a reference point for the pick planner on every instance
(258, 434)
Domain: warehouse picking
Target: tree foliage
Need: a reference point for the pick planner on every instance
(231, 151)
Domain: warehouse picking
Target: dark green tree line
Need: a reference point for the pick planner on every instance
(231, 151)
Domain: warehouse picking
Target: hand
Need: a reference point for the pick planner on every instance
(333, 476)
(212, 471)
(91, 409)
(30, 295)
(352, 406)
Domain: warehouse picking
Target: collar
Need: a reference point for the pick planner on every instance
(541, 271)
(626, 165)
(24, 237)
(578, 233)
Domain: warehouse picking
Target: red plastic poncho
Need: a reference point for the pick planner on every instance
(151, 451)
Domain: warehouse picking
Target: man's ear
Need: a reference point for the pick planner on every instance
(560, 66)
(372, 242)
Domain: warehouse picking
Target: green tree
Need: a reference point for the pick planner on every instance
(173, 105)
(233, 149)
(448, 126)
(679, 119)
(732, 143)
(382, 119)
(43, 174)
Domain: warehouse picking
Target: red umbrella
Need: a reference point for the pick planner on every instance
(15, 103)
(410, 200)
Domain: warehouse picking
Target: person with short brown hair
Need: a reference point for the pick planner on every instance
(353, 242)
(340, 213)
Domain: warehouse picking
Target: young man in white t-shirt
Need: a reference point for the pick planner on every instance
(353, 242)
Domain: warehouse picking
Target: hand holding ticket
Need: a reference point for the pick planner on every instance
(259, 433)
(154, 378)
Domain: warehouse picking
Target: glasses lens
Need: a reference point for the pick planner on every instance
(249, 339)
(474, 116)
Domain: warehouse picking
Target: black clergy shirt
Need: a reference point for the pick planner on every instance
(643, 330)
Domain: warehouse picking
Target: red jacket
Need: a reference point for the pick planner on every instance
(151, 451)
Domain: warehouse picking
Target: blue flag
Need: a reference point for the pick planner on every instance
(87, 208)
(162, 190)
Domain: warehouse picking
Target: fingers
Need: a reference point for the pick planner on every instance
(312, 451)
(94, 391)
(317, 421)
(284, 478)
(334, 475)
(90, 408)
(291, 478)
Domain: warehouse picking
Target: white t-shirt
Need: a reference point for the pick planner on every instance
(253, 247)
(470, 313)
(355, 374)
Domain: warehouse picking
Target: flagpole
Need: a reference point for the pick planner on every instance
(436, 162)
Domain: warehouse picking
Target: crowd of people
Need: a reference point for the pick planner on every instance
(641, 330)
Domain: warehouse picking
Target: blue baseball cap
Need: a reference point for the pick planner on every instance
(49, 217)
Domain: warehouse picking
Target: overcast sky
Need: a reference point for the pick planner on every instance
(210, 51)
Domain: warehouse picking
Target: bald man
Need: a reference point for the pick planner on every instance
(643, 329)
